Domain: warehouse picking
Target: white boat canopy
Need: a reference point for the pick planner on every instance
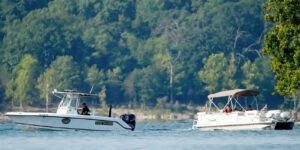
(234, 93)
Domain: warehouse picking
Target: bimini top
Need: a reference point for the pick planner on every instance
(234, 93)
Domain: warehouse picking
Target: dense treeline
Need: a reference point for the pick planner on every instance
(138, 52)
(282, 44)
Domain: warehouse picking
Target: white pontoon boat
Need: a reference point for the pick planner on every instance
(233, 116)
(68, 117)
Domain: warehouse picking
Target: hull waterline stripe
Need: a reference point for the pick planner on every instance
(70, 118)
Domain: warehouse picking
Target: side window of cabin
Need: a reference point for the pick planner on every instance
(73, 103)
(66, 102)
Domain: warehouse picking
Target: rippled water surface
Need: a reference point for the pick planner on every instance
(148, 135)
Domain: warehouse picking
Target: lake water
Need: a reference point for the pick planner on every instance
(159, 135)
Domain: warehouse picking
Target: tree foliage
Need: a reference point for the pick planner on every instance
(21, 89)
(63, 73)
(218, 73)
(282, 43)
(140, 52)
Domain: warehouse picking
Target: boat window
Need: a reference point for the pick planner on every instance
(73, 103)
(66, 102)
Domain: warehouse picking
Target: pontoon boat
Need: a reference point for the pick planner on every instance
(238, 117)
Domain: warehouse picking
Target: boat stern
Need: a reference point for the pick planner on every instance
(284, 125)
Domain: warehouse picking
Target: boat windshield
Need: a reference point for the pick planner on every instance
(68, 101)
(73, 103)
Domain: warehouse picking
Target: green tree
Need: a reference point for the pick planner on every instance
(102, 97)
(62, 74)
(151, 84)
(95, 78)
(114, 86)
(130, 85)
(282, 43)
(218, 73)
(44, 33)
(2, 96)
(258, 75)
(173, 40)
(137, 51)
(21, 88)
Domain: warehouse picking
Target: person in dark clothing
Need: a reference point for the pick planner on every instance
(85, 109)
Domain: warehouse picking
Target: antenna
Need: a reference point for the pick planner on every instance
(92, 89)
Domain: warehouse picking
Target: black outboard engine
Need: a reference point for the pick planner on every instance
(129, 119)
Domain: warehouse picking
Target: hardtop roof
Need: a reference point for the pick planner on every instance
(73, 92)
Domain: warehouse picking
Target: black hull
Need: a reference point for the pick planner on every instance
(284, 125)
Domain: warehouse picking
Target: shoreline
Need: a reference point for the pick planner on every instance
(141, 114)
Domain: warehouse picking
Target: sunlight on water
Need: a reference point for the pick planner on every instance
(148, 135)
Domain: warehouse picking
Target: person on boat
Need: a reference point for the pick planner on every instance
(85, 109)
(228, 109)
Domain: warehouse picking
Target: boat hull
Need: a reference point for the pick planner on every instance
(55, 121)
(257, 126)
(232, 121)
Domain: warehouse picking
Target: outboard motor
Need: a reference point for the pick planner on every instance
(285, 115)
(129, 119)
(283, 120)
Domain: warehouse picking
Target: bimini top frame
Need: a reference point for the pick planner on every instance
(233, 96)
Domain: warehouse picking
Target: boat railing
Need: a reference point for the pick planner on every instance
(240, 113)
